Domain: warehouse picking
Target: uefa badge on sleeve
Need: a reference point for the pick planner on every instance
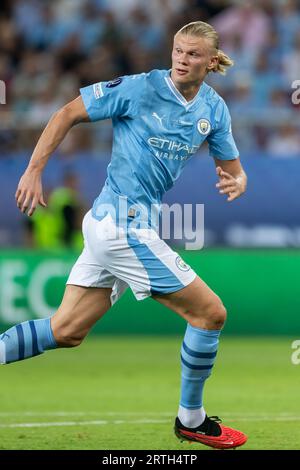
(98, 93)
(204, 126)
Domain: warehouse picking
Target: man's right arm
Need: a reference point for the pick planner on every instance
(29, 192)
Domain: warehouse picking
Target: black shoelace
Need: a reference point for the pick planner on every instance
(211, 426)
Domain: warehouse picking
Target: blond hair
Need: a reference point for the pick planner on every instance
(205, 30)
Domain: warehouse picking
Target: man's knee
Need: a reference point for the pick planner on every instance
(67, 339)
(211, 316)
(216, 313)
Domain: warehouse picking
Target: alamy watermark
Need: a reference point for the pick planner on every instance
(295, 357)
(178, 222)
(2, 92)
(296, 93)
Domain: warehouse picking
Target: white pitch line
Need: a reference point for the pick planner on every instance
(137, 421)
(82, 423)
(85, 413)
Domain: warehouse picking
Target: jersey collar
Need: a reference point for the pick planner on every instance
(178, 95)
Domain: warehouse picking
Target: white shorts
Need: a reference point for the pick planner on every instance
(139, 259)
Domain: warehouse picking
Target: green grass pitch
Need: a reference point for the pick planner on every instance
(122, 393)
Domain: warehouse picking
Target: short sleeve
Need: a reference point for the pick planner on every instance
(112, 99)
(221, 142)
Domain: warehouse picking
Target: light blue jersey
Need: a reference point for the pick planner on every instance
(156, 132)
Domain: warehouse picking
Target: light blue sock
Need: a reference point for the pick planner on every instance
(27, 339)
(198, 353)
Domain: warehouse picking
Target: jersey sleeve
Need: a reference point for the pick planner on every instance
(221, 142)
(117, 98)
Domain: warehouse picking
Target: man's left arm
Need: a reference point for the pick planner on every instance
(232, 178)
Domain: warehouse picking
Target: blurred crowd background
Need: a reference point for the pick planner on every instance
(51, 48)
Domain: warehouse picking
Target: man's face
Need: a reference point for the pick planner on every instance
(192, 57)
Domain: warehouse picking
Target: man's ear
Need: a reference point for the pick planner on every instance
(213, 63)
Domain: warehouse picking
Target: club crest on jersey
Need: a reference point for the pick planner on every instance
(181, 264)
(114, 82)
(203, 126)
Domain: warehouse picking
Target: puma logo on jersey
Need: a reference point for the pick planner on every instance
(157, 117)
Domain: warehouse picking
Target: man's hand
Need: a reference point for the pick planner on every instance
(30, 192)
(228, 184)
